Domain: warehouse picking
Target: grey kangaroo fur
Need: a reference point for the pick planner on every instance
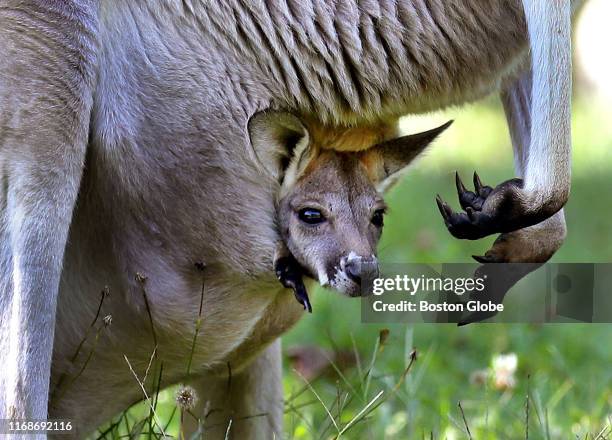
(125, 148)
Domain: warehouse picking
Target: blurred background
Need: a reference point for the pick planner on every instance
(565, 368)
(345, 379)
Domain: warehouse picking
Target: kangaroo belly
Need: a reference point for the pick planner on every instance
(163, 327)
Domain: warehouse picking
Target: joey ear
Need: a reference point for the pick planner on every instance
(274, 136)
(394, 156)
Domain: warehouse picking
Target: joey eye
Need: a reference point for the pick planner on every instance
(311, 216)
(378, 218)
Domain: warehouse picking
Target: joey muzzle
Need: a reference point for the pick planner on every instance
(360, 269)
(354, 274)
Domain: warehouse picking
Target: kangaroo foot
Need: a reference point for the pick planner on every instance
(505, 208)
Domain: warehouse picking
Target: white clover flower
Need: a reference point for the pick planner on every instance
(504, 368)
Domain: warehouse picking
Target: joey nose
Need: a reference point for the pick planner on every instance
(360, 268)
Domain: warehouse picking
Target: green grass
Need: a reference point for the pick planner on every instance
(566, 369)
(569, 365)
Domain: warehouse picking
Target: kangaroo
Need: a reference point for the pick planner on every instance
(129, 144)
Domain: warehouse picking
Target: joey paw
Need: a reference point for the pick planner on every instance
(289, 273)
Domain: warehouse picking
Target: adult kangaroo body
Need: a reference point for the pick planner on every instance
(155, 98)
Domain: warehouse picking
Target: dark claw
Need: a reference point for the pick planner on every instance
(458, 223)
(302, 296)
(445, 210)
(477, 183)
(289, 273)
(476, 221)
(484, 259)
(440, 204)
(500, 278)
(467, 198)
(460, 186)
(482, 191)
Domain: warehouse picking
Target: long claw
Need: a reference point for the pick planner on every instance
(445, 210)
(307, 305)
(439, 202)
(289, 274)
(460, 186)
(302, 296)
(477, 183)
(484, 259)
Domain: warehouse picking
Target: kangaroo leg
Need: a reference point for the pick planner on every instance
(537, 243)
(251, 400)
(543, 187)
(47, 60)
(534, 244)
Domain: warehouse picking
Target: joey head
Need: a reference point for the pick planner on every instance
(331, 211)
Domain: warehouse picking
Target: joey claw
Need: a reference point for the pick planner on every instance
(302, 296)
(289, 273)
